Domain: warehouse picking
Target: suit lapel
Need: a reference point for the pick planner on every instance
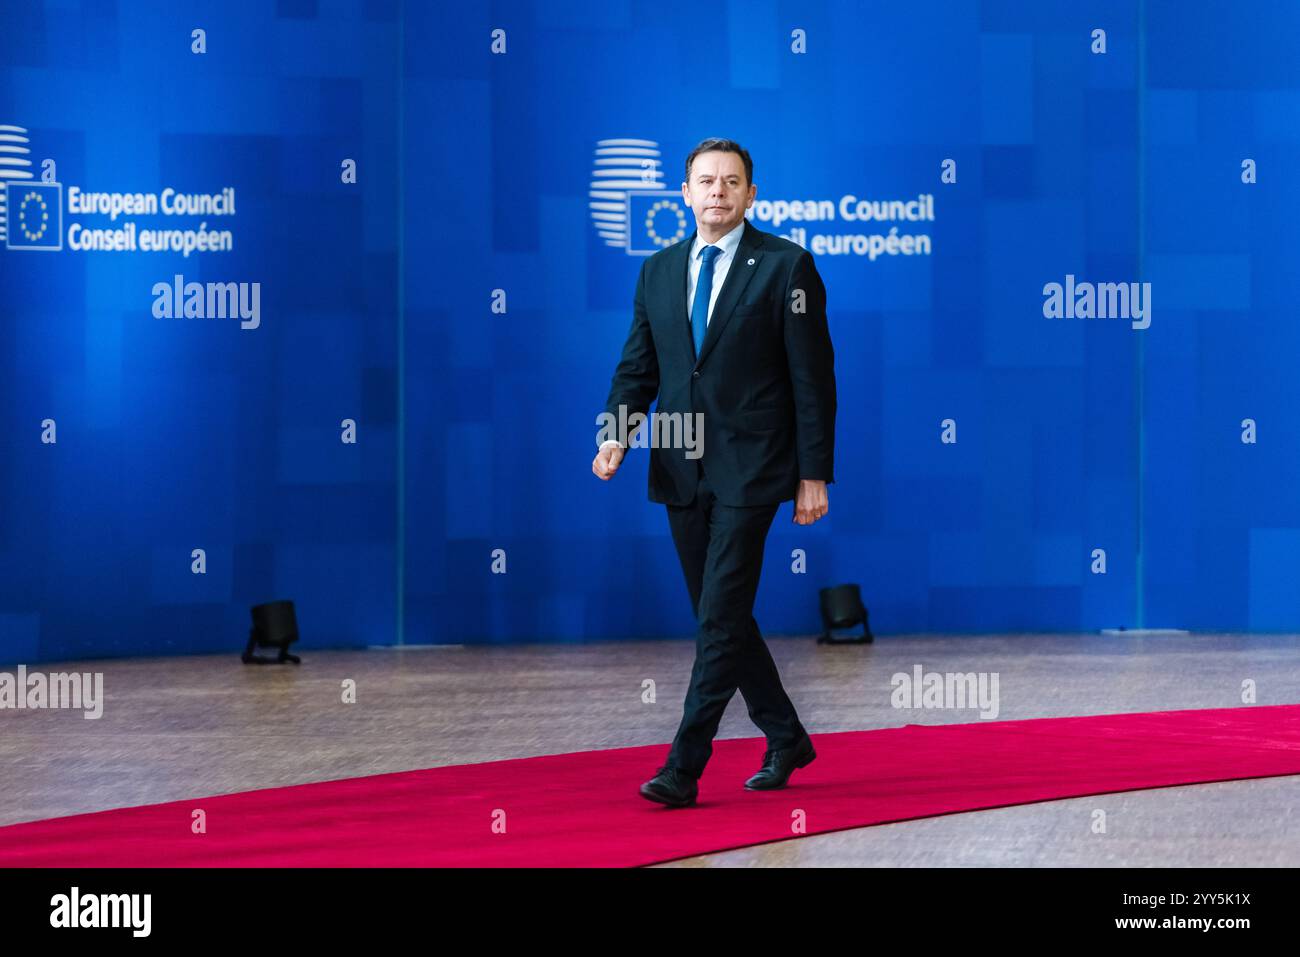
(682, 252)
(743, 266)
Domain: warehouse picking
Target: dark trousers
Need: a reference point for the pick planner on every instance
(721, 551)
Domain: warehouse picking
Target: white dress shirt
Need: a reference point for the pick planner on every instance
(721, 264)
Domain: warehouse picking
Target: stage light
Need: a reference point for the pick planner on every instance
(274, 626)
(842, 608)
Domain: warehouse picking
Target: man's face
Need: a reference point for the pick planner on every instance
(718, 192)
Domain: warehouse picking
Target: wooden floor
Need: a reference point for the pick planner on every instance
(188, 727)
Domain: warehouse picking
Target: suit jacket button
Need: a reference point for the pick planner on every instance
(696, 374)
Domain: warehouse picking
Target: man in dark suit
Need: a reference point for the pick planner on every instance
(729, 324)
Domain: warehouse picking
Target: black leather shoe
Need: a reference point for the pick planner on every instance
(671, 787)
(780, 764)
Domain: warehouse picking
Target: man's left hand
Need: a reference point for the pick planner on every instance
(812, 503)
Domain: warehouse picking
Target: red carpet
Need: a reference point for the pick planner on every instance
(583, 809)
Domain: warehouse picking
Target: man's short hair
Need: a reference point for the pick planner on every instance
(724, 146)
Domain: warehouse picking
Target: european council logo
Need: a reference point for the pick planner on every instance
(630, 206)
(31, 213)
(34, 215)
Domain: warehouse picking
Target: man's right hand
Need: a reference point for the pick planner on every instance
(607, 460)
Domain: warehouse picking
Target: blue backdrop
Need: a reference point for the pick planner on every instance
(402, 441)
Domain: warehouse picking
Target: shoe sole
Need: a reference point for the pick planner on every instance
(801, 764)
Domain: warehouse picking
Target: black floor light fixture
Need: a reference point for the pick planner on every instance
(274, 626)
(842, 608)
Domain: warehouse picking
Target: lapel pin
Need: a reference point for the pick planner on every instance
(750, 263)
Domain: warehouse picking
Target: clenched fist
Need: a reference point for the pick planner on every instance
(607, 460)
(811, 503)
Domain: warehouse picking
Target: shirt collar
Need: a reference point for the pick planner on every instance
(727, 243)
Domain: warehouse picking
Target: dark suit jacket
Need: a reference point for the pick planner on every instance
(764, 380)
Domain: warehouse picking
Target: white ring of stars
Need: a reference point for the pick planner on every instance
(22, 216)
(650, 223)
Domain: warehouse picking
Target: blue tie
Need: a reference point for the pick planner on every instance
(703, 290)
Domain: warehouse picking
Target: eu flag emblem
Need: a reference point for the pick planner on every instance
(34, 215)
(656, 219)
